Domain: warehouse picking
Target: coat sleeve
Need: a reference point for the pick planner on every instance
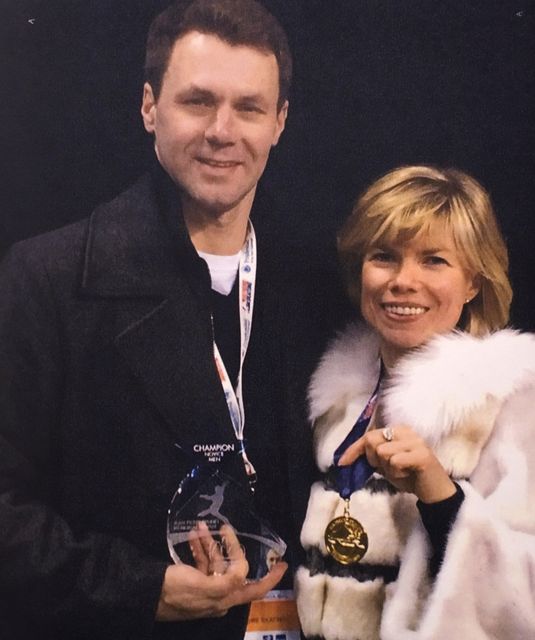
(49, 572)
(485, 586)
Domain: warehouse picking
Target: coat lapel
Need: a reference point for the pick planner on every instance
(170, 351)
(138, 248)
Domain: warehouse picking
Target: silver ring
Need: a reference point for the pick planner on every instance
(388, 434)
(216, 573)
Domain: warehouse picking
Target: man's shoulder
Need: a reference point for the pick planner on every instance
(48, 250)
(133, 200)
(62, 245)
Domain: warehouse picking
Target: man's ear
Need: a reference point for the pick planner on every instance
(148, 108)
(281, 122)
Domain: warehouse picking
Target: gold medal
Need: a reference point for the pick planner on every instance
(345, 538)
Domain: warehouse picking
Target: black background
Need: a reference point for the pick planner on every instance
(378, 83)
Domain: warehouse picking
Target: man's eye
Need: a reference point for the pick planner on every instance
(250, 108)
(198, 102)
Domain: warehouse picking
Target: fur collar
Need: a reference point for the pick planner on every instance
(348, 368)
(450, 390)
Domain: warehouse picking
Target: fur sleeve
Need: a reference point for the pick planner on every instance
(485, 588)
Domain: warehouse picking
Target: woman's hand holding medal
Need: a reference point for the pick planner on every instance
(405, 460)
(217, 583)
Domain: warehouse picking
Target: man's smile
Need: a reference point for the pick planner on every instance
(219, 164)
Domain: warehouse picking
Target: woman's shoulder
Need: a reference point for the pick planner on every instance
(348, 368)
(452, 390)
(462, 366)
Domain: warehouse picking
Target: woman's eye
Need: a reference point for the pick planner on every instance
(381, 256)
(435, 260)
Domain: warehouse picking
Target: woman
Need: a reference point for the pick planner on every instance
(423, 526)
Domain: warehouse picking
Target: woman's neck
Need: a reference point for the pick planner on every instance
(390, 355)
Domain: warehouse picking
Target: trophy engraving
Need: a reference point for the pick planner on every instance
(205, 505)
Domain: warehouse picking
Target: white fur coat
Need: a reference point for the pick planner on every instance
(473, 400)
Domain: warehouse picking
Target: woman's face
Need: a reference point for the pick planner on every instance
(414, 290)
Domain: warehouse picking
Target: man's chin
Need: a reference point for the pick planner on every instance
(218, 204)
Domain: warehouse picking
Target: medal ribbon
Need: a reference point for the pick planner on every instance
(246, 292)
(352, 477)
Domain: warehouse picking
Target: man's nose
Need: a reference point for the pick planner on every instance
(222, 127)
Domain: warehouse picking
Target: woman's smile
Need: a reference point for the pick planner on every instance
(414, 290)
(403, 310)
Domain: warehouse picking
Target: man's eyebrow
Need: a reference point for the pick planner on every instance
(194, 90)
(198, 92)
(252, 97)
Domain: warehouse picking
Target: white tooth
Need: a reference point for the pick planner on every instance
(405, 311)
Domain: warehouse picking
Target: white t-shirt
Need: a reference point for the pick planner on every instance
(223, 270)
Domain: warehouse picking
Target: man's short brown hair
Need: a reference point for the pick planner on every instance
(237, 22)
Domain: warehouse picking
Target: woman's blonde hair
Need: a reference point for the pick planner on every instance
(410, 200)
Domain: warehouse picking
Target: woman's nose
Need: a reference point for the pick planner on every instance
(405, 275)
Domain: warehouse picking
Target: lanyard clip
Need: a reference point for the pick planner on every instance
(249, 469)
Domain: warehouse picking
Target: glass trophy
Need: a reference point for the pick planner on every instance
(211, 523)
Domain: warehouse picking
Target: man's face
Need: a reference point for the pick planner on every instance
(215, 119)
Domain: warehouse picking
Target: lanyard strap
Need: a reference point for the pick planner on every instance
(246, 293)
(352, 477)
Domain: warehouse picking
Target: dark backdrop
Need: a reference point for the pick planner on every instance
(378, 83)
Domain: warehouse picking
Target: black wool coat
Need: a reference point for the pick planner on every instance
(106, 364)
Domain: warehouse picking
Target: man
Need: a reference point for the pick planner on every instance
(110, 388)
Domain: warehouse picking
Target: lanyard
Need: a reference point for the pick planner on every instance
(246, 292)
(353, 477)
